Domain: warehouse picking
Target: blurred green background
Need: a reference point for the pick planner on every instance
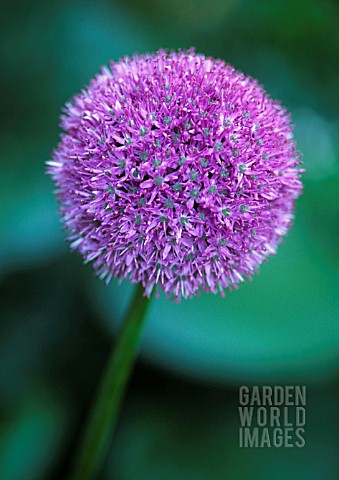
(180, 419)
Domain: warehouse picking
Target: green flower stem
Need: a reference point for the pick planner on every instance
(104, 415)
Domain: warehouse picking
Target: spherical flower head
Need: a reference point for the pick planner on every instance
(177, 171)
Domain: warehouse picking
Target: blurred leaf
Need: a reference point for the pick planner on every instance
(30, 227)
(282, 325)
(90, 35)
(315, 140)
(31, 435)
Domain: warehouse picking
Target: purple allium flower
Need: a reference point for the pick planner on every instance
(176, 170)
